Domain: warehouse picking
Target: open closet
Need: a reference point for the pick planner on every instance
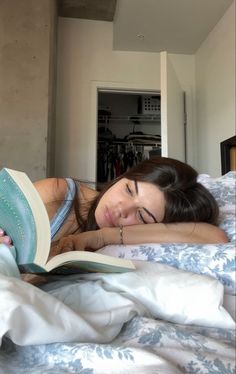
(128, 131)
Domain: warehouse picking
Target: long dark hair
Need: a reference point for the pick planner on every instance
(186, 199)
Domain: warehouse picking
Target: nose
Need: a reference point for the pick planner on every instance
(125, 208)
(127, 211)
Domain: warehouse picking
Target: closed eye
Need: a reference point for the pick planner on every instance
(141, 217)
(146, 211)
(151, 215)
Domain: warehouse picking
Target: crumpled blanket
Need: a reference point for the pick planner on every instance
(94, 307)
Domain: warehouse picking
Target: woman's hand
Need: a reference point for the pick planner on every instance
(4, 239)
(89, 240)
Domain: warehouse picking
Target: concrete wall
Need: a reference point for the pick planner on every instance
(27, 49)
(86, 60)
(215, 82)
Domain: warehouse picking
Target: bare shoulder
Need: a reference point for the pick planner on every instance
(51, 189)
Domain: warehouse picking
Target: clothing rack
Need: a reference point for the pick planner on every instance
(117, 156)
(129, 143)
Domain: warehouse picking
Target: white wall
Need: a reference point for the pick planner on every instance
(86, 61)
(215, 82)
(184, 66)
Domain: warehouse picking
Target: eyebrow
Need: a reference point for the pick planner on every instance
(145, 209)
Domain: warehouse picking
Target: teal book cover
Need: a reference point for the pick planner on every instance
(18, 203)
(16, 218)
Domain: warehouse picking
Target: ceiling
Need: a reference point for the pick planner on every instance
(176, 26)
(102, 10)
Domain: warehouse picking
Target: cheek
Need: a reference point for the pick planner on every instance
(130, 220)
(99, 219)
(110, 197)
(100, 211)
(98, 214)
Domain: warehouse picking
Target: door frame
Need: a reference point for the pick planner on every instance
(173, 112)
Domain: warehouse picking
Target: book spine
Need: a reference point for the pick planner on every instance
(31, 268)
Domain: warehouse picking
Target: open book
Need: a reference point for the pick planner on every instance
(24, 218)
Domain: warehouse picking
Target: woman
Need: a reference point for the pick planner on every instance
(158, 200)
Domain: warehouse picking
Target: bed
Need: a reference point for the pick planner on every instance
(180, 320)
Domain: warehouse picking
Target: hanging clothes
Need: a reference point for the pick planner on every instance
(115, 158)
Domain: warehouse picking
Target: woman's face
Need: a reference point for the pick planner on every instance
(129, 202)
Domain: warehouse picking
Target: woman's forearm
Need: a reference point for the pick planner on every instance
(138, 234)
(165, 233)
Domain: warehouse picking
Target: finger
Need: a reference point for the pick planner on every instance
(65, 245)
(71, 243)
(5, 240)
(54, 250)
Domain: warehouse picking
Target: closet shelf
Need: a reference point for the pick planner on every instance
(133, 119)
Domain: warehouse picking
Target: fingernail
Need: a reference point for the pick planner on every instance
(1, 232)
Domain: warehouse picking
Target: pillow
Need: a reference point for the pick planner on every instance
(216, 260)
(223, 189)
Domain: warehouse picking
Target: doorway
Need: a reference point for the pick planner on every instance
(128, 130)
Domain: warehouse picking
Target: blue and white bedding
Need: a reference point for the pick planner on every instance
(174, 315)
